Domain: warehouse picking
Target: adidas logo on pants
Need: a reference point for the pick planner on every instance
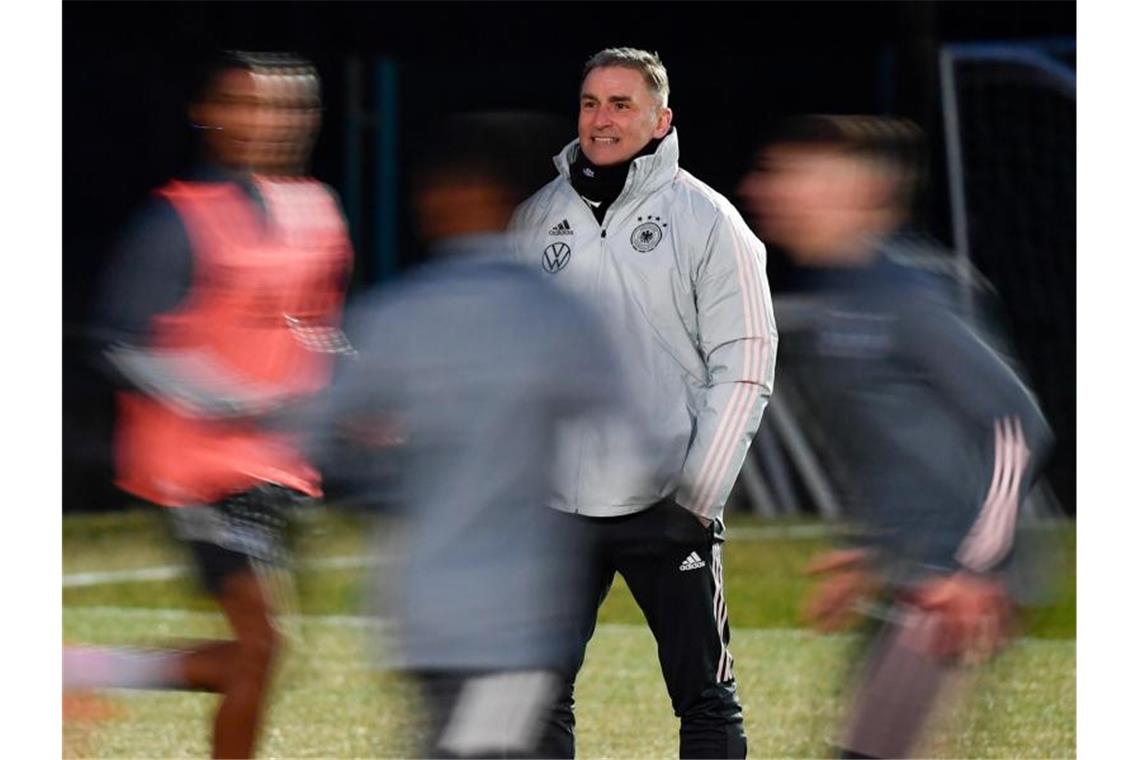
(692, 562)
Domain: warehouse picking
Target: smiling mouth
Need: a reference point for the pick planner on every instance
(605, 140)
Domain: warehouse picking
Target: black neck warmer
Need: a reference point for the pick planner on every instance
(601, 185)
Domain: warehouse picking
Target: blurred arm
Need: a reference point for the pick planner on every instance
(150, 275)
(352, 431)
(738, 341)
(987, 392)
(191, 382)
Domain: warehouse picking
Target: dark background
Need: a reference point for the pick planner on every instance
(735, 70)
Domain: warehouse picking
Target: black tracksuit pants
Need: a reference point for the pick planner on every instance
(672, 564)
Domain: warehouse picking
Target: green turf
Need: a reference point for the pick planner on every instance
(764, 578)
(330, 703)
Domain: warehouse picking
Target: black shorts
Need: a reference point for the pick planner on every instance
(486, 713)
(234, 534)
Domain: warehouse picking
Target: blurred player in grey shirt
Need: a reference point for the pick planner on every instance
(938, 440)
(467, 368)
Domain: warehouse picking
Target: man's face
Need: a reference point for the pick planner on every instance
(814, 202)
(618, 115)
(234, 115)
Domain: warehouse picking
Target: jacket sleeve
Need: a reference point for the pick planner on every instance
(149, 274)
(988, 394)
(522, 226)
(737, 340)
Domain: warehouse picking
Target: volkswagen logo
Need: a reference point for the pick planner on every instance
(556, 256)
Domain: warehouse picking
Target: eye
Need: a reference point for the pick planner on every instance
(622, 106)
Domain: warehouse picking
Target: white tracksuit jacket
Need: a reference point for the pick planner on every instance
(679, 280)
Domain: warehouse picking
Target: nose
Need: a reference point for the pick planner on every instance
(603, 117)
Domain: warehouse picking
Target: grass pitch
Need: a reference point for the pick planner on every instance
(329, 700)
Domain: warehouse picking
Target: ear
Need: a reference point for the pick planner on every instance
(664, 121)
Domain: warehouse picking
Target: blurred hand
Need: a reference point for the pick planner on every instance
(846, 578)
(968, 617)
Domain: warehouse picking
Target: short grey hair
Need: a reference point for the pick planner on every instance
(649, 64)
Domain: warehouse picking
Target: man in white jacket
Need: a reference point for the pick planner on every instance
(678, 278)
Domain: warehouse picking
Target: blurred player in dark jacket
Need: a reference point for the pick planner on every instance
(468, 369)
(939, 438)
(221, 309)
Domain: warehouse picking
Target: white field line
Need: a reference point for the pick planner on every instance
(141, 574)
(171, 614)
(338, 621)
(167, 572)
(378, 623)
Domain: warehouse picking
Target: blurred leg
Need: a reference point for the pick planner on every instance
(896, 693)
(220, 539)
(248, 664)
(558, 738)
(239, 669)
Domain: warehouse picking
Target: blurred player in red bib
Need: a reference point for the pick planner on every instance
(222, 311)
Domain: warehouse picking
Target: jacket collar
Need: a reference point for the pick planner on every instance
(646, 173)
